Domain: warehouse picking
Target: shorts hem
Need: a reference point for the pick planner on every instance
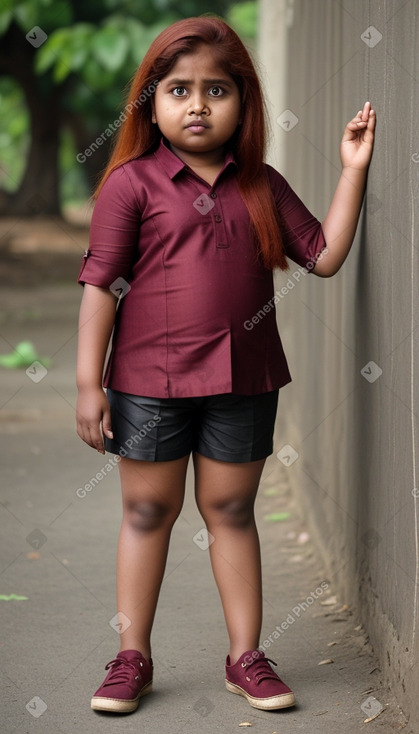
(230, 458)
(116, 448)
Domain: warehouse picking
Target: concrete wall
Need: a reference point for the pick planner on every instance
(357, 438)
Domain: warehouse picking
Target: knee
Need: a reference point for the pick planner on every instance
(231, 513)
(146, 515)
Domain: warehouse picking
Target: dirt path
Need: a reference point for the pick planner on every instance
(41, 250)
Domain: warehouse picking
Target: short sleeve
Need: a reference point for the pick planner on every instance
(113, 241)
(302, 233)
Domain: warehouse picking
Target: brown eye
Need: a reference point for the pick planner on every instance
(216, 91)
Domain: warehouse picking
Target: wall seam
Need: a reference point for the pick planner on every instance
(412, 398)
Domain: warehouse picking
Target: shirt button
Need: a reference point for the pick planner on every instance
(218, 218)
(213, 195)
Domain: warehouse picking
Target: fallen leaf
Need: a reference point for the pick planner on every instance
(245, 723)
(320, 713)
(325, 662)
(330, 644)
(371, 718)
(328, 602)
(358, 628)
(277, 516)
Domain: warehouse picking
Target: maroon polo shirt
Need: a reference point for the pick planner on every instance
(198, 315)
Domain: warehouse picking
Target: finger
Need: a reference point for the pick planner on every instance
(93, 437)
(354, 126)
(83, 432)
(97, 441)
(106, 423)
(366, 111)
(371, 120)
(369, 131)
(361, 118)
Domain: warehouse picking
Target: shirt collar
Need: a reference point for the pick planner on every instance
(173, 165)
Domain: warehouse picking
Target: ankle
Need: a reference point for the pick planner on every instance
(145, 650)
(236, 653)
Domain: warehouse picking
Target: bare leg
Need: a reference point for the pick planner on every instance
(152, 497)
(225, 495)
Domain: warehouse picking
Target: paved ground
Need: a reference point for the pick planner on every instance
(58, 560)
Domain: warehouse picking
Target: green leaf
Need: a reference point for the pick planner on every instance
(110, 47)
(45, 58)
(244, 18)
(78, 58)
(58, 14)
(6, 6)
(61, 70)
(6, 18)
(25, 16)
(65, 48)
(48, 54)
(48, 14)
(18, 125)
(277, 516)
(96, 77)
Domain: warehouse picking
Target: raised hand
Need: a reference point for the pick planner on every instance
(358, 140)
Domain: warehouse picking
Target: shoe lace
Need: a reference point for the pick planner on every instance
(121, 671)
(261, 670)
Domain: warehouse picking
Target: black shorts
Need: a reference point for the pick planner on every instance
(227, 427)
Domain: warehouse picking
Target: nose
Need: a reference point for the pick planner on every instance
(198, 105)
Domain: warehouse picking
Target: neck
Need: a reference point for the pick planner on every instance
(210, 159)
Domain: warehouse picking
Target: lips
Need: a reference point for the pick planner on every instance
(197, 124)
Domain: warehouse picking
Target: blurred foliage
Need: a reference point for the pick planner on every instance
(14, 133)
(243, 17)
(92, 50)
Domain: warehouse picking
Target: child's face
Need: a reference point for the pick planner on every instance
(197, 90)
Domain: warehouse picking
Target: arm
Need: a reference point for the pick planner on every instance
(96, 321)
(341, 221)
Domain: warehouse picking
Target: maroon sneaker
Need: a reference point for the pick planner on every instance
(253, 678)
(130, 677)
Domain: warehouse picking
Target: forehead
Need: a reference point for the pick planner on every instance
(201, 62)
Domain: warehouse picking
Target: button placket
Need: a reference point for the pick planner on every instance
(221, 240)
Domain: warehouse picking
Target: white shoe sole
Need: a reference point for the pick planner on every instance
(118, 705)
(274, 702)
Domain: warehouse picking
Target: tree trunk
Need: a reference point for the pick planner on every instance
(83, 138)
(38, 192)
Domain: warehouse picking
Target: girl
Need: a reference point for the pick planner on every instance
(189, 224)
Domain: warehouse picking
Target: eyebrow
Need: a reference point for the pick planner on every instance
(224, 81)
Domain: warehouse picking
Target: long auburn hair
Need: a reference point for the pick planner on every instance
(138, 135)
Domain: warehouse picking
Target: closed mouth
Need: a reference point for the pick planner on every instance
(197, 123)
